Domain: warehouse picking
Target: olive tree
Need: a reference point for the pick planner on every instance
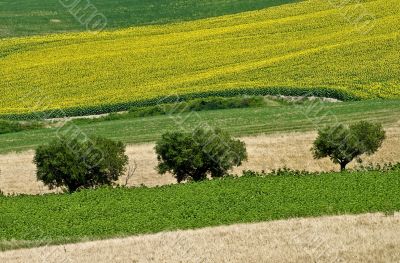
(342, 144)
(201, 153)
(74, 164)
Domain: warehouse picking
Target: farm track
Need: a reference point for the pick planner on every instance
(357, 238)
(266, 152)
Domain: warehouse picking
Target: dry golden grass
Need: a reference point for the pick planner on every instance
(293, 151)
(265, 153)
(361, 238)
(18, 174)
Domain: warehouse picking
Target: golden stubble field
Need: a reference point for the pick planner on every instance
(370, 238)
(290, 150)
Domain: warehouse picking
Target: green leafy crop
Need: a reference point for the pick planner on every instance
(106, 212)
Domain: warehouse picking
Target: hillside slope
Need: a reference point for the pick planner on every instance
(309, 44)
(33, 17)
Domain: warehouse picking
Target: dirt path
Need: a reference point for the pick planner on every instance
(363, 238)
(265, 153)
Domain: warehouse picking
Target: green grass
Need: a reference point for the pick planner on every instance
(198, 104)
(32, 17)
(104, 213)
(14, 126)
(238, 122)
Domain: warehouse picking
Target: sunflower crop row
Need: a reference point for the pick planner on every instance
(312, 45)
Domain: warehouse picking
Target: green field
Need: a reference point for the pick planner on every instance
(103, 213)
(296, 46)
(34, 17)
(238, 122)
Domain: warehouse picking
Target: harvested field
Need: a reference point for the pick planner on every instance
(361, 238)
(265, 153)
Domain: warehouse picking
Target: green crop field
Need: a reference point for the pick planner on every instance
(34, 17)
(302, 45)
(239, 122)
(103, 213)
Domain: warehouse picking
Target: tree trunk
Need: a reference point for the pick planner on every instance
(343, 166)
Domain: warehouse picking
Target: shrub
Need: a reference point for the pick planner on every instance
(280, 172)
(194, 156)
(171, 107)
(386, 167)
(74, 164)
(199, 104)
(342, 144)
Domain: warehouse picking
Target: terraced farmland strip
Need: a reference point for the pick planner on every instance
(239, 122)
(105, 213)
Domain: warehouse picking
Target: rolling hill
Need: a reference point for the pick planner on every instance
(311, 44)
(37, 17)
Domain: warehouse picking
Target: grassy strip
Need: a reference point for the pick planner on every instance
(13, 126)
(104, 213)
(239, 122)
(200, 104)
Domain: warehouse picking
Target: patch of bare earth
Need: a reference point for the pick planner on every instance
(362, 238)
(266, 152)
